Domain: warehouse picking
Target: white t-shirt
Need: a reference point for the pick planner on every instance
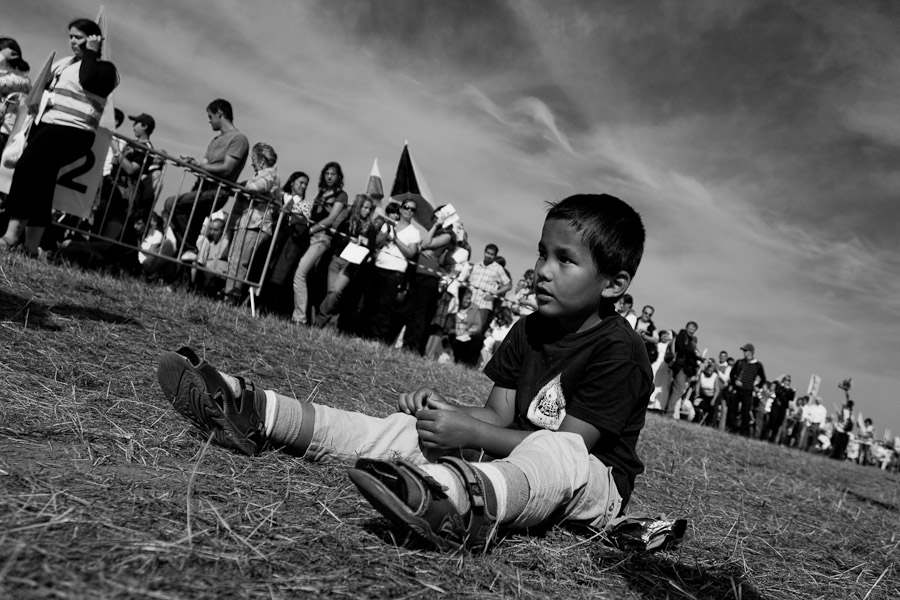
(390, 258)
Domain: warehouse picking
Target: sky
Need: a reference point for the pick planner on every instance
(759, 140)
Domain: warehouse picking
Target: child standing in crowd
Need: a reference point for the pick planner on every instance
(571, 385)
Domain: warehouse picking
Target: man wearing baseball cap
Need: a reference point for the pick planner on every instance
(746, 375)
(142, 168)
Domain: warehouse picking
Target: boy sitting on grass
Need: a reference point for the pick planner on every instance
(571, 387)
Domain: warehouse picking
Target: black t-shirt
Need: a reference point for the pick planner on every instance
(601, 376)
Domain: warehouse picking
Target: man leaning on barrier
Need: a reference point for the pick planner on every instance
(225, 158)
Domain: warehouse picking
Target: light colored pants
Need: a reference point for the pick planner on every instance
(561, 473)
(679, 387)
(244, 247)
(338, 278)
(307, 263)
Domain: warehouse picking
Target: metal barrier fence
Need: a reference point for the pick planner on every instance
(126, 200)
(127, 214)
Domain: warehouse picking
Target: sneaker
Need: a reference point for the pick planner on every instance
(202, 396)
(189, 256)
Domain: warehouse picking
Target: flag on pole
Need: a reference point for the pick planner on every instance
(374, 187)
(33, 99)
(409, 184)
(108, 119)
(814, 382)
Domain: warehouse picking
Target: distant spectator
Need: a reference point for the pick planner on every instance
(813, 418)
(212, 254)
(662, 372)
(358, 230)
(842, 429)
(291, 243)
(467, 338)
(746, 374)
(525, 302)
(159, 247)
(794, 422)
(140, 169)
(646, 328)
(784, 396)
(488, 280)
(625, 307)
(255, 219)
(419, 305)
(866, 438)
(707, 394)
(14, 84)
(685, 365)
(762, 404)
(328, 212)
(225, 158)
(496, 333)
(80, 86)
(400, 245)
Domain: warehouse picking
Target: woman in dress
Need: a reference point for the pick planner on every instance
(327, 214)
(79, 87)
(358, 230)
(13, 84)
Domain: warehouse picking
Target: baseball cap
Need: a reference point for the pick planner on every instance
(748, 347)
(145, 119)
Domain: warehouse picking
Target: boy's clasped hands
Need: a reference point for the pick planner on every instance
(441, 425)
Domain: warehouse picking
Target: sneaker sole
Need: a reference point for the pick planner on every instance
(185, 388)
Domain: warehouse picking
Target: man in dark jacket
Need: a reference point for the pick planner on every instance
(746, 375)
(686, 363)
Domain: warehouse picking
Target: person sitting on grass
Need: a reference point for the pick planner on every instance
(562, 421)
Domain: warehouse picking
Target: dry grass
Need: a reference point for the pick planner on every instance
(105, 492)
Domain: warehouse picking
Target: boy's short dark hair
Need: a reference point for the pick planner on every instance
(492, 247)
(222, 106)
(610, 228)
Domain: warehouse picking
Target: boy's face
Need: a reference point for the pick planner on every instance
(568, 287)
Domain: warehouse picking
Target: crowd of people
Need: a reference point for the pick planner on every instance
(352, 264)
(365, 269)
(735, 394)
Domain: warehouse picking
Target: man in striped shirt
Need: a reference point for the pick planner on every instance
(746, 375)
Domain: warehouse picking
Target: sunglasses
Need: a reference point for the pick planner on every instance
(408, 208)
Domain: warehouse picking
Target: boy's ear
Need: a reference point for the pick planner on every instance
(616, 285)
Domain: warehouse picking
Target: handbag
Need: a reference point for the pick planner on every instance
(16, 144)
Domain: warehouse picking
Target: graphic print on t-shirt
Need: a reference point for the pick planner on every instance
(548, 408)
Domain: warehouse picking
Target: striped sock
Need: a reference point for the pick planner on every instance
(509, 483)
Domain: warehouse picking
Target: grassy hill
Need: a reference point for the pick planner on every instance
(106, 492)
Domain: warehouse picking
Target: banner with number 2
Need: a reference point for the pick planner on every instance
(78, 182)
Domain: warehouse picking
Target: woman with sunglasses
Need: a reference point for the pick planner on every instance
(400, 246)
(78, 90)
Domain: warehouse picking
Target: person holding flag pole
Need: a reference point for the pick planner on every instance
(66, 125)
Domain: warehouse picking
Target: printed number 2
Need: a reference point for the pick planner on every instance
(68, 180)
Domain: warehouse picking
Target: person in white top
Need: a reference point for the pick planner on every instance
(399, 243)
(625, 307)
(814, 415)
